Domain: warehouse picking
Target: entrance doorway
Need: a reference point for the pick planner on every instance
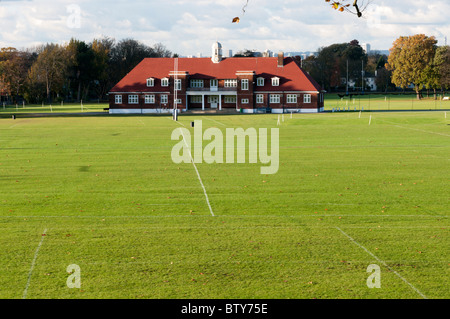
(214, 101)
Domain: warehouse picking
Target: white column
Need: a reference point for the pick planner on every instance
(220, 102)
(203, 102)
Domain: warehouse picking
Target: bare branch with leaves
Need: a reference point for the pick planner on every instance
(357, 7)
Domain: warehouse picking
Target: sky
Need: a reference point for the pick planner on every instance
(190, 27)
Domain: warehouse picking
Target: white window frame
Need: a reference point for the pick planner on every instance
(196, 99)
(149, 99)
(259, 98)
(178, 101)
(150, 82)
(118, 99)
(133, 99)
(260, 82)
(197, 84)
(245, 101)
(307, 98)
(214, 83)
(164, 99)
(275, 98)
(178, 85)
(275, 81)
(244, 84)
(230, 99)
(165, 82)
(291, 98)
(230, 83)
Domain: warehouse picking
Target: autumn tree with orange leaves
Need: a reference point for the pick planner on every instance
(409, 58)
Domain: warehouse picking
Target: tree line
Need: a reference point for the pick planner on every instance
(414, 61)
(70, 72)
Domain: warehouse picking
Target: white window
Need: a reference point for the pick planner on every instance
(164, 99)
(275, 81)
(275, 98)
(230, 99)
(178, 85)
(150, 82)
(196, 83)
(196, 99)
(214, 83)
(165, 82)
(178, 101)
(244, 101)
(291, 98)
(260, 82)
(244, 84)
(133, 99)
(149, 99)
(307, 98)
(230, 83)
(259, 98)
(118, 99)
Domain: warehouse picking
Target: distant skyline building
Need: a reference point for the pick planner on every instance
(366, 47)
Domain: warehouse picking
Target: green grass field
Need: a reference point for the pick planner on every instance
(108, 198)
(384, 102)
(53, 108)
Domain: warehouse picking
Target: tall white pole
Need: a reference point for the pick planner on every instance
(175, 89)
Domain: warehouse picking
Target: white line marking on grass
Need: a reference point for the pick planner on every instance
(415, 129)
(198, 174)
(215, 121)
(176, 121)
(32, 265)
(381, 261)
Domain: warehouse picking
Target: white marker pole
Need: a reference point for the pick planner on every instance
(359, 114)
(51, 109)
(370, 120)
(278, 123)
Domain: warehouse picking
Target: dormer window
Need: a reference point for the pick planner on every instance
(275, 81)
(150, 82)
(244, 84)
(260, 82)
(178, 85)
(165, 82)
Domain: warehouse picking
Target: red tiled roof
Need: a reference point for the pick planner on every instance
(292, 77)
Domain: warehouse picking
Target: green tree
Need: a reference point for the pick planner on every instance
(81, 67)
(409, 58)
(333, 62)
(102, 55)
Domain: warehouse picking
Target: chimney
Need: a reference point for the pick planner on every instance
(280, 59)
